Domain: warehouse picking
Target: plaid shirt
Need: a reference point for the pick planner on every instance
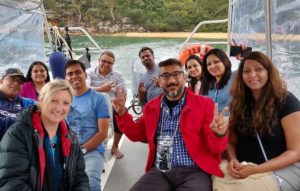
(169, 120)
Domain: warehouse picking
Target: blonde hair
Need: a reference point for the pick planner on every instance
(51, 88)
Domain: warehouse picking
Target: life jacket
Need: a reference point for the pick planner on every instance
(198, 49)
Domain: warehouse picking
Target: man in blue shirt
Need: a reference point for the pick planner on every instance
(11, 104)
(89, 118)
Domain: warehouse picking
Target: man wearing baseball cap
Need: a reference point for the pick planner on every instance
(11, 104)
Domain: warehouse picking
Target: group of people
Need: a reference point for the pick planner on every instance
(56, 129)
(56, 143)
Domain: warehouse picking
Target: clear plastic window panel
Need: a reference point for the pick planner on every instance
(21, 34)
(248, 27)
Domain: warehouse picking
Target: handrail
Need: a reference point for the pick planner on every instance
(88, 35)
(199, 25)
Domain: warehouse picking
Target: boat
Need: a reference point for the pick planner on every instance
(269, 26)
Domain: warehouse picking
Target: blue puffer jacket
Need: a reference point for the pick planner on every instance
(10, 110)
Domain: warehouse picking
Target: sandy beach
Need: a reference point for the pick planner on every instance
(173, 35)
(213, 36)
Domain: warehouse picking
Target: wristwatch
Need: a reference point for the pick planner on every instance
(83, 150)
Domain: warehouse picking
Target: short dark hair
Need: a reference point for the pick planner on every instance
(145, 48)
(170, 62)
(28, 75)
(108, 53)
(74, 62)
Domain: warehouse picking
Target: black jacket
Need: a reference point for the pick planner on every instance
(20, 159)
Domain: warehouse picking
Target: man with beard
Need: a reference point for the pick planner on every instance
(11, 104)
(148, 87)
(185, 133)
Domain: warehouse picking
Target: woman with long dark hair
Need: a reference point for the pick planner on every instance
(216, 77)
(264, 129)
(193, 66)
(37, 76)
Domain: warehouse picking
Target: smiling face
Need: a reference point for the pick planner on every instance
(194, 68)
(215, 67)
(255, 76)
(55, 108)
(10, 86)
(147, 59)
(39, 74)
(105, 64)
(172, 81)
(76, 77)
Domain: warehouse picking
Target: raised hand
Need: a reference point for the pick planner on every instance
(120, 100)
(107, 86)
(142, 93)
(155, 80)
(219, 123)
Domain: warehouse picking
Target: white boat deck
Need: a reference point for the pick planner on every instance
(121, 174)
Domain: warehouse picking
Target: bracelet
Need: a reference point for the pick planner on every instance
(222, 135)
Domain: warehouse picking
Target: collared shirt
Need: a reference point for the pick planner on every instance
(95, 79)
(152, 89)
(169, 122)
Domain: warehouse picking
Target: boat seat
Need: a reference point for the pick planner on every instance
(111, 127)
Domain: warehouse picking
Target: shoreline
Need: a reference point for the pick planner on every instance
(205, 36)
(180, 35)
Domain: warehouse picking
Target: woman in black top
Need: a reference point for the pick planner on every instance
(261, 105)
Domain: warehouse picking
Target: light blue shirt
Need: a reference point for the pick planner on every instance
(152, 89)
(221, 96)
(84, 114)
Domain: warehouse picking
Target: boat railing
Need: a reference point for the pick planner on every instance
(186, 42)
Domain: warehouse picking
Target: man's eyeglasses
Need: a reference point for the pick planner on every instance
(14, 79)
(166, 76)
(107, 62)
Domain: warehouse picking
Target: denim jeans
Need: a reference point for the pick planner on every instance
(94, 164)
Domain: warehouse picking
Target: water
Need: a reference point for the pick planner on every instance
(126, 50)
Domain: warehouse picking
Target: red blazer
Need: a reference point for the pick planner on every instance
(201, 143)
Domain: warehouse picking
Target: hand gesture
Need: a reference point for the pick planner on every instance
(155, 80)
(120, 100)
(142, 89)
(219, 123)
(142, 93)
(107, 86)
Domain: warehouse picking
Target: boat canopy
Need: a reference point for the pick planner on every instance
(21, 33)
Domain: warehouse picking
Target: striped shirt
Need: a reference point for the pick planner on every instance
(95, 79)
(169, 124)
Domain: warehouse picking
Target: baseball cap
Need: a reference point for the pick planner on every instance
(14, 72)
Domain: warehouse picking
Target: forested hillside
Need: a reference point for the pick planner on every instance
(152, 15)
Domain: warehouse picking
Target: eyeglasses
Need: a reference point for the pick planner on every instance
(166, 76)
(15, 79)
(107, 62)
